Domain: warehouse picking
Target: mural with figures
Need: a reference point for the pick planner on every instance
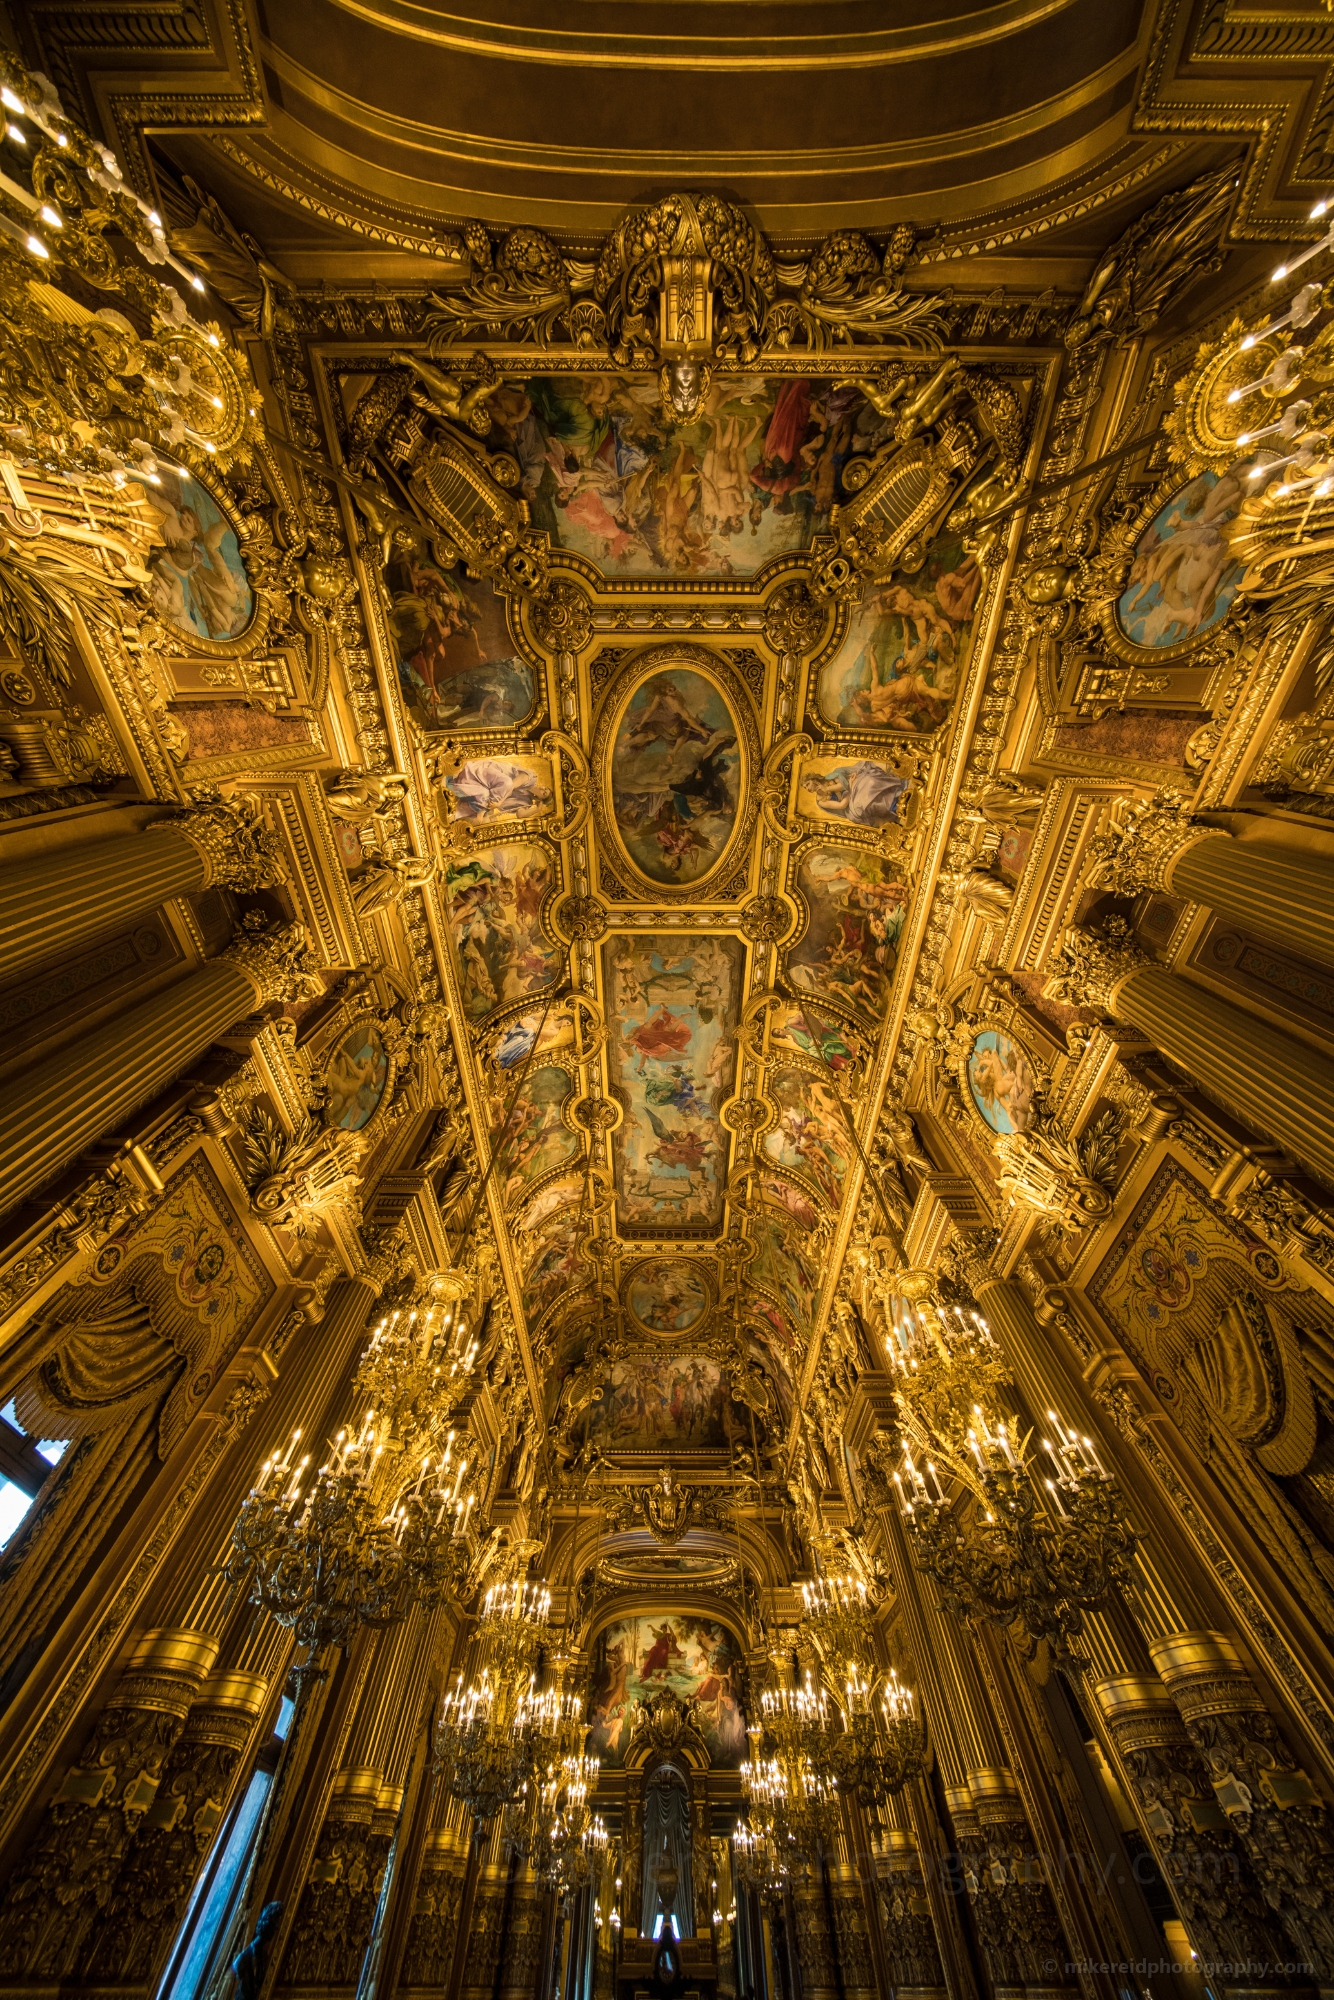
(847, 953)
(754, 475)
(552, 1265)
(858, 791)
(494, 902)
(681, 1400)
(675, 1003)
(699, 1659)
(533, 1138)
(675, 776)
(830, 1042)
(486, 789)
(1184, 575)
(781, 1267)
(670, 1295)
(900, 662)
(810, 1136)
(199, 583)
(457, 665)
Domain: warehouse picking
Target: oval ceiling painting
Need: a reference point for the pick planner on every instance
(675, 776)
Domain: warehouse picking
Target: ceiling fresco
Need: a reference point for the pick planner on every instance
(683, 646)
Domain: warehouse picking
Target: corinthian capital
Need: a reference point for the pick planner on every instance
(1144, 841)
(279, 964)
(240, 849)
(1091, 964)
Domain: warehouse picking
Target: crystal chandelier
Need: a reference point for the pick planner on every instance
(1023, 1541)
(792, 1794)
(553, 1826)
(881, 1744)
(496, 1735)
(384, 1522)
(489, 1736)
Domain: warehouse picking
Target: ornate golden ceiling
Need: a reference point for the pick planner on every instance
(354, 139)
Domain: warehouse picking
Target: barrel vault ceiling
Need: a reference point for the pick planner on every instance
(687, 811)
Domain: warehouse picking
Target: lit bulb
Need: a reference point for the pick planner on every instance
(198, 284)
(8, 99)
(50, 216)
(19, 138)
(1281, 272)
(1319, 210)
(155, 218)
(37, 247)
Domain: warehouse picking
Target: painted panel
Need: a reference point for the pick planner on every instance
(811, 1136)
(552, 1266)
(675, 1399)
(670, 1295)
(356, 1077)
(199, 581)
(671, 1057)
(1184, 576)
(675, 776)
(857, 791)
(457, 665)
(698, 1658)
(534, 1139)
(1002, 1083)
(610, 474)
(857, 903)
(900, 662)
(486, 789)
(494, 900)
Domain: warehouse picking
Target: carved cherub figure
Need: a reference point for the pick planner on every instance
(931, 401)
(449, 397)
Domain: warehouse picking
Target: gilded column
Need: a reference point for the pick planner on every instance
(482, 1951)
(339, 1898)
(57, 1893)
(54, 900)
(1274, 1809)
(1016, 1919)
(1271, 1083)
(149, 1897)
(1284, 893)
(433, 1932)
(87, 1089)
(911, 1952)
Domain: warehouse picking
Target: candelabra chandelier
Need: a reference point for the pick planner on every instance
(1267, 394)
(553, 1826)
(1024, 1542)
(500, 1735)
(792, 1793)
(384, 1521)
(881, 1744)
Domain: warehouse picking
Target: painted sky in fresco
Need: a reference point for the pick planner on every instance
(674, 1002)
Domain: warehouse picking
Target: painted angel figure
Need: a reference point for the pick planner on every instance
(194, 588)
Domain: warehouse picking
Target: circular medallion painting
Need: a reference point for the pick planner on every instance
(1184, 576)
(676, 776)
(356, 1077)
(199, 582)
(669, 1295)
(1002, 1082)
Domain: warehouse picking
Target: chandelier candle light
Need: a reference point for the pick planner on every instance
(1025, 1541)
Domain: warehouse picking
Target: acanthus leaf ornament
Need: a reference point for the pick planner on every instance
(240, 848)
(1091, 964)
(1143, 839)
